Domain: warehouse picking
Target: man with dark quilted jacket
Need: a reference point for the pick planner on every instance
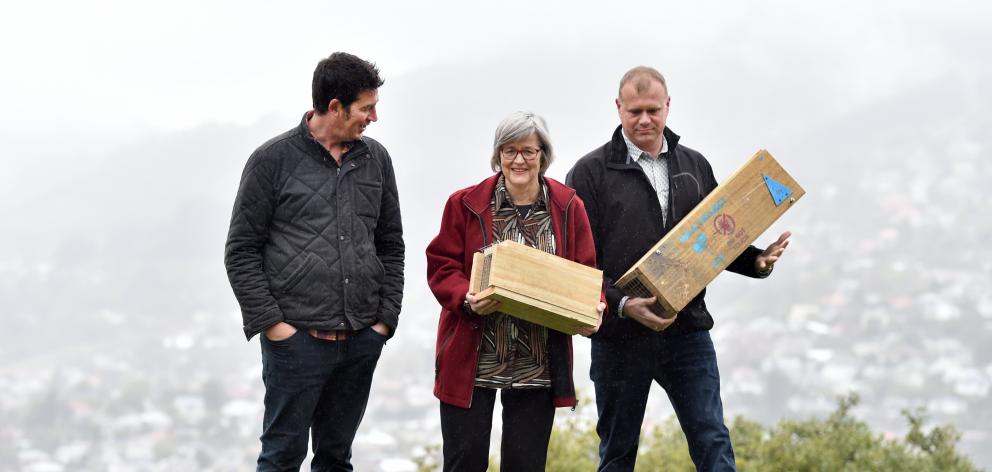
(315, 257)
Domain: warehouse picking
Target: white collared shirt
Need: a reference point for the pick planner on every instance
(655, 168)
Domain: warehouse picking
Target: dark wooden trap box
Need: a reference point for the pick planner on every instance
(713, 234)
(536, 286)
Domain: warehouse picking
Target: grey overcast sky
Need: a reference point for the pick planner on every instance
(85, 80)
(137, 66)
(125, 124)
(90, 82)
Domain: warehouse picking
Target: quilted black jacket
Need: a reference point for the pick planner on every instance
(626, 221)
(314, 244)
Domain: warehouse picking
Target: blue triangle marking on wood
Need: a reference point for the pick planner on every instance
(779, 192)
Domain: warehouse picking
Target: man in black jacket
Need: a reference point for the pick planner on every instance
(636, 188)
(315, 257)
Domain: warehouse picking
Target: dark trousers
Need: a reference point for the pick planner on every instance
(685, 366)
(319, 386)
(528, 415)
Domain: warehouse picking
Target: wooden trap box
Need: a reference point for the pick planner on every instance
(712, 235)
(536, 286)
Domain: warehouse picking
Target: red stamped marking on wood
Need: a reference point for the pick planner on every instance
(737, 239)
(724, 224)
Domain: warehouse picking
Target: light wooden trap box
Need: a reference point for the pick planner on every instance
(712, 235)
(537, 286)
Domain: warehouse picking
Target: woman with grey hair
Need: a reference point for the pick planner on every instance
(481, 351)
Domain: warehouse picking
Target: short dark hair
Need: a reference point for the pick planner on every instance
(343, 76)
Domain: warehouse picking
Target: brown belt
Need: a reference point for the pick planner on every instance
(330, 334)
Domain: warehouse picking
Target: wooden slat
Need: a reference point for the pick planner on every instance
(538, 312)
(542, 276)
(475, 278)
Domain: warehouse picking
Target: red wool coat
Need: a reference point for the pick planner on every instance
(466, 226)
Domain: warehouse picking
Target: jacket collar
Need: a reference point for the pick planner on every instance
(617, 147)
(479, 197)
(502, 198)
(314, 148)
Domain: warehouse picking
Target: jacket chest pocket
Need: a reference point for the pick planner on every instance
(366, 193)
(686, 192)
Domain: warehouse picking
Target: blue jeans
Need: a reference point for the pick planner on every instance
(318, 386)
(685, 366)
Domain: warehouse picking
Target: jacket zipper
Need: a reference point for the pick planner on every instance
(482, 225)
(644, 178)
(485, 242)
(564, 228)
(564, 251)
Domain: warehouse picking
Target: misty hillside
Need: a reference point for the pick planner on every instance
(884, 291)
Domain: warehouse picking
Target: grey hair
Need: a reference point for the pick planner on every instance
(520, 125)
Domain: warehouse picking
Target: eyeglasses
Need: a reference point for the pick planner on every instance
(510, 153)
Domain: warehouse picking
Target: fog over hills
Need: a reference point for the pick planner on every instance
(122, 317)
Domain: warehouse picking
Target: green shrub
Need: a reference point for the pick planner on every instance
(838, 443)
